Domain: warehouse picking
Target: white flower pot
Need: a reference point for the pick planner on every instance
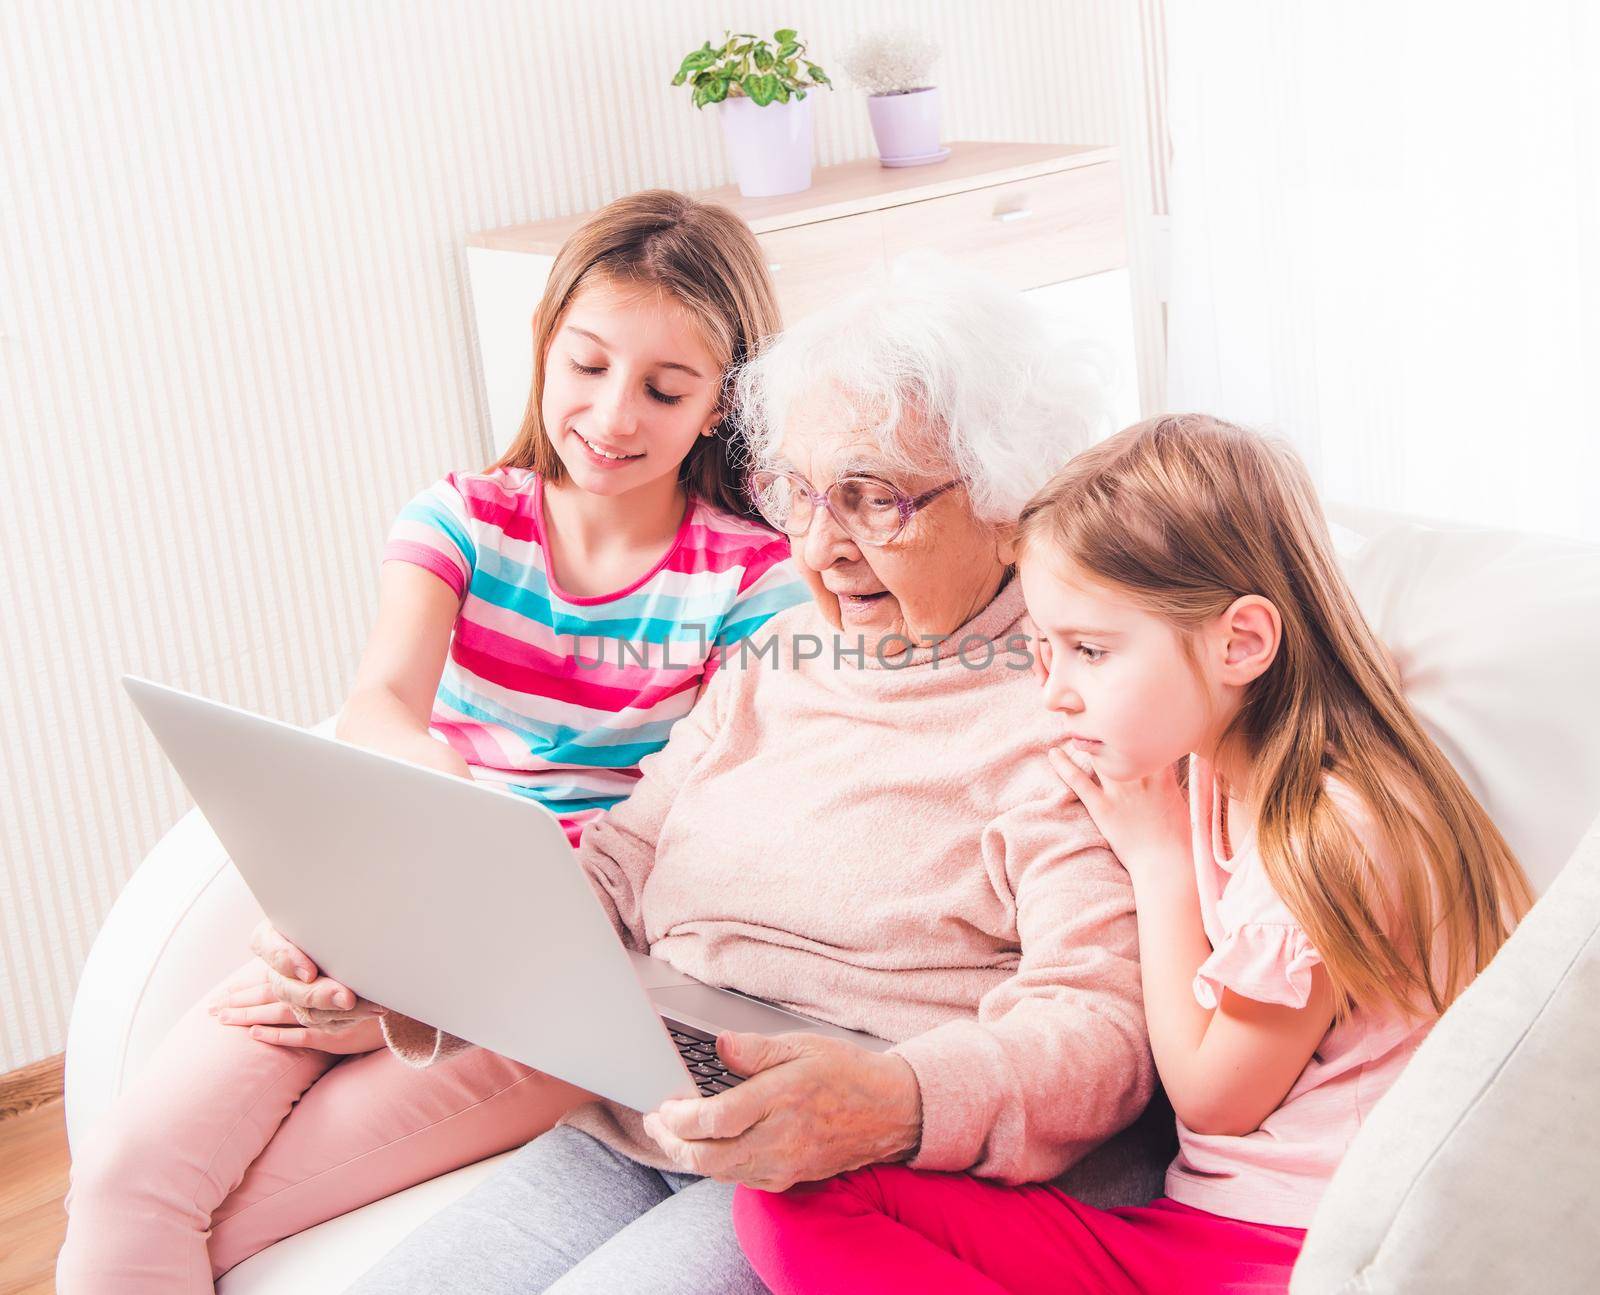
(906, 126)
(770, 148)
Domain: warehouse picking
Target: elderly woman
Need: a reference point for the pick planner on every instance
(857, 821)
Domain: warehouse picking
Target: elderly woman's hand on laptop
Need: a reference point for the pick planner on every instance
(282, 999)
(812, 1107)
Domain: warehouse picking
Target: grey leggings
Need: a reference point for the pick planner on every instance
(568, 1214)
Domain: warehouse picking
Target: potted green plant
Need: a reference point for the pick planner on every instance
(894, 67)
(761, 87)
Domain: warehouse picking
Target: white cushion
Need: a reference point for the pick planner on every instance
(1497, 637)
(1476, 1171)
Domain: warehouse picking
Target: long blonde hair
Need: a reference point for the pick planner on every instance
(1185, 514)
(700, 255)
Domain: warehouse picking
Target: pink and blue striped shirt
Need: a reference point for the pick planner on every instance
(558, 697)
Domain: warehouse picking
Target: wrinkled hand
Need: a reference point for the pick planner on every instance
(814, 1107)
(1145, 820)
(282, 1000)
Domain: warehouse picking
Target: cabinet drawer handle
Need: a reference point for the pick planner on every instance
(1006, 217)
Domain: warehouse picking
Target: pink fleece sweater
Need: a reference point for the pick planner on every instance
(889, 850)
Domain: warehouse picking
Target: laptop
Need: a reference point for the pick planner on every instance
(453, 902)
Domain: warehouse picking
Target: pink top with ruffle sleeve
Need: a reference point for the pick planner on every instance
(1277, 1174)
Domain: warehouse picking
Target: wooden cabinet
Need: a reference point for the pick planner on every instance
(1046, 219)
(1025, 233)
(813, 264)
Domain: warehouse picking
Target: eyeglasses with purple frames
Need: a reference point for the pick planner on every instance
(870, 510)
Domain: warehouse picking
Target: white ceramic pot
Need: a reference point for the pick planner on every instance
(906, 126)
(770, 148)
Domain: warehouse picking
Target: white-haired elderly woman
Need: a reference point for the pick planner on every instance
(857, 821)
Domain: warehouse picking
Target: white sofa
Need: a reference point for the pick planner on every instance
(1497, 636)
(1477, 1171)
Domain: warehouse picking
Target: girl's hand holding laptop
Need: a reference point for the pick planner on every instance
(282, 999)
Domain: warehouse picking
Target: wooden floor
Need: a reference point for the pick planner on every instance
(33, 1183)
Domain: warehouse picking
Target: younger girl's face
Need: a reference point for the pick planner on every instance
(1118, 674)
(628, 388)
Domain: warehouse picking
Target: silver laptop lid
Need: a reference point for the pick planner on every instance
(447, 900)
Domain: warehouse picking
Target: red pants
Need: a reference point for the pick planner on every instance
(889, 1229)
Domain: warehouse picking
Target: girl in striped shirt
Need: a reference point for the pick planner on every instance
(541, 626)
(589, 583)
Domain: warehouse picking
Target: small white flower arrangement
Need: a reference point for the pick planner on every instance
(894, 66)
(892, 61)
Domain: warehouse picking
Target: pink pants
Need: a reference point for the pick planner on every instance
(891, 1230)
(224, 1145)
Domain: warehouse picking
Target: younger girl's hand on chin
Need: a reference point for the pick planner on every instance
(1144, 820)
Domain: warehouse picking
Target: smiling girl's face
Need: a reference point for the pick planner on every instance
(629, 386)
(1133, 700)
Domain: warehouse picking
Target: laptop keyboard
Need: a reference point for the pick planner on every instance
(699, 1053)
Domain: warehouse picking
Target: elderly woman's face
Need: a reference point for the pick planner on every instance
(937, 574)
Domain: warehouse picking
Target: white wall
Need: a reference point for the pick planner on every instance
(1405, 280)
(234, 335)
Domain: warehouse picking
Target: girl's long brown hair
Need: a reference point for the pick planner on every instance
(698, 254)
(1185, 514)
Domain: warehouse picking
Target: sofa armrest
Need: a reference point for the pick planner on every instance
(1476, 1170)
(181, 923)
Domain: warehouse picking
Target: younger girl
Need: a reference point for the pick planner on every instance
(1325, 889)
(541, 626)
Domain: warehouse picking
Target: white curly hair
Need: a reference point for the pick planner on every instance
(979, 367)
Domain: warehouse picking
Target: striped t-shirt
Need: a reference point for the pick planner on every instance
(558, 697)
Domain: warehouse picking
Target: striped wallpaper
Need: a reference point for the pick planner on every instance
(235, 334)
